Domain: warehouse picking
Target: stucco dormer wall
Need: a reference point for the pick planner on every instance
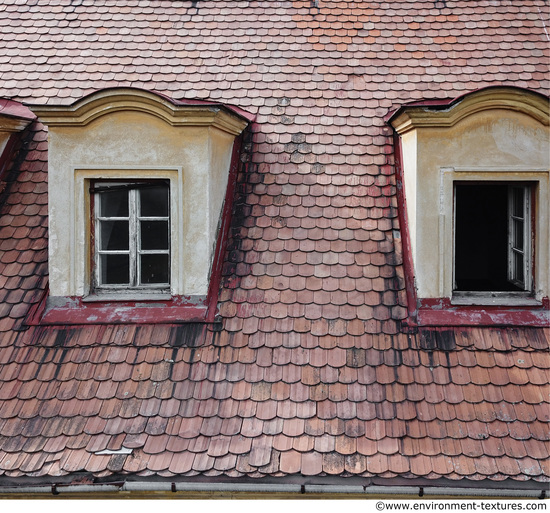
(135, 135)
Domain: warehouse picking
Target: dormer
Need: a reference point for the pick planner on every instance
(475, 176)
(137, 185)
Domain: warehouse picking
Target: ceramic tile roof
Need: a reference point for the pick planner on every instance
(311, 373)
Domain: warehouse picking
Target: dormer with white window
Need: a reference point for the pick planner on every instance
(137, 185)
(475, 176)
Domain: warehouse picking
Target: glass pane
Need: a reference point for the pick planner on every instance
(518, 234)
(518, 267)
(154, 234)
(154, 201)
(517, 202)
(114, 203)
(115, 269)
(114, 235)
(154, 269)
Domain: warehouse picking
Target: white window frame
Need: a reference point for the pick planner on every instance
(524, 252)
(134, 251)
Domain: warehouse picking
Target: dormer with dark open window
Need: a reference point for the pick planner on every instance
(475, 176)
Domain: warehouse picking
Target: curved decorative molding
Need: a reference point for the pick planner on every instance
(108, 101)
(446, 115)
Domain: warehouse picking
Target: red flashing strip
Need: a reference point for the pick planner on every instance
(440, 312)
(408, 264)
(13, 109)
(75, 311)
(223, 232)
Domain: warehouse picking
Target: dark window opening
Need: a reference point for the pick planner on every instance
(492, 237)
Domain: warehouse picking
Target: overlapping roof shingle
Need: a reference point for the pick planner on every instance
(373, 406)
(311, 373)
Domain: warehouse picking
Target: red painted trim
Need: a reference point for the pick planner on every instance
(75, 311)
(12, 109)
(440, 312)
(408, 264)
(223, 232)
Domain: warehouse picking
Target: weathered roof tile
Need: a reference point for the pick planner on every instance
(311, 372)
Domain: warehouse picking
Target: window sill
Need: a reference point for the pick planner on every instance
(445, 312)
(113, 309)
(117, 297)
(512, 299)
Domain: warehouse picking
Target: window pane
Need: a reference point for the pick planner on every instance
(114, 235)
(154, 235)
(154, 201)
(154, 269)
(518, 234)
(517, 202)
(114, 203)
(518, 267)
(115, 269)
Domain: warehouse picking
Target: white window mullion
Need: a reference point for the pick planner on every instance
(454, 237)
(527, 238)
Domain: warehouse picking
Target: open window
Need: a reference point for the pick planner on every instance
(493, 238)
(474, 176)
(131, 231)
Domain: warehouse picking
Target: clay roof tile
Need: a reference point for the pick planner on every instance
(313, 290)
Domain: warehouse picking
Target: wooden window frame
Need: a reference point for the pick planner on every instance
(134, 251)
(524, 252)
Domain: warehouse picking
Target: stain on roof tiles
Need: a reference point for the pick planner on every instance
(140, 421)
